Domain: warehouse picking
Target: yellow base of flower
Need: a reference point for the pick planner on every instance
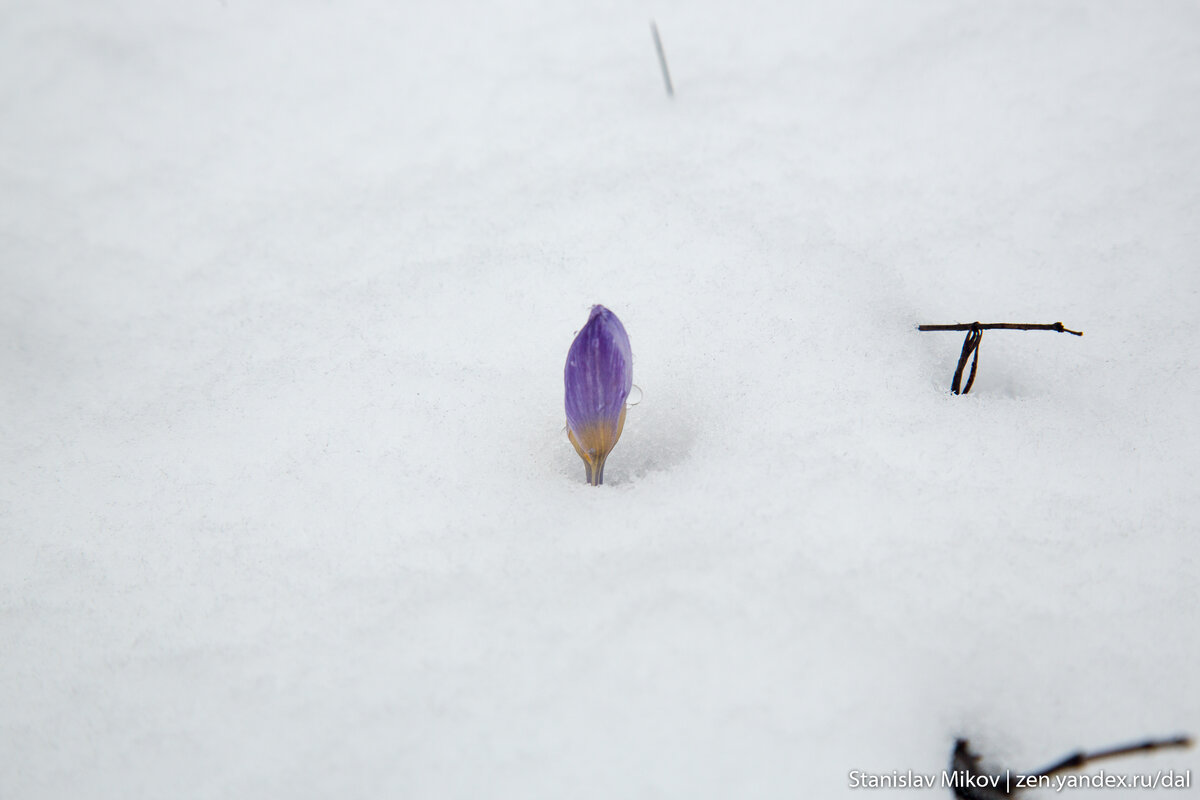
(597, 442)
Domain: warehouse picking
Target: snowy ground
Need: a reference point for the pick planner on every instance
(287, 508)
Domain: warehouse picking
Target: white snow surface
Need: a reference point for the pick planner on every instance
(287, 507)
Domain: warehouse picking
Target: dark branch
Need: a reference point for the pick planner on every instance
(662, 59)
(1001, 326)
(964, 760)
(1080, 759)
(975, 334)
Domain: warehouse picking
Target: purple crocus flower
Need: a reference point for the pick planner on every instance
(598, 377)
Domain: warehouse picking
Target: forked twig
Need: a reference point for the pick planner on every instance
(975, 334)
(986, 786)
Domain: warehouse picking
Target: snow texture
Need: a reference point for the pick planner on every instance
(287, 507)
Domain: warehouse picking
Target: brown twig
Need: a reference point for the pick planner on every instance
(1003, 326)
(662, 59)
(1079, 759)
(986, 786)
(975, 334)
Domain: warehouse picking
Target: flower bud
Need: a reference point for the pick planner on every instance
(598, 377)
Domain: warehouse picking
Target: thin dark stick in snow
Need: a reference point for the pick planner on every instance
(975, 334)
(1079, 759)
(662, 59)
(1004, 326)
(972, 782)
